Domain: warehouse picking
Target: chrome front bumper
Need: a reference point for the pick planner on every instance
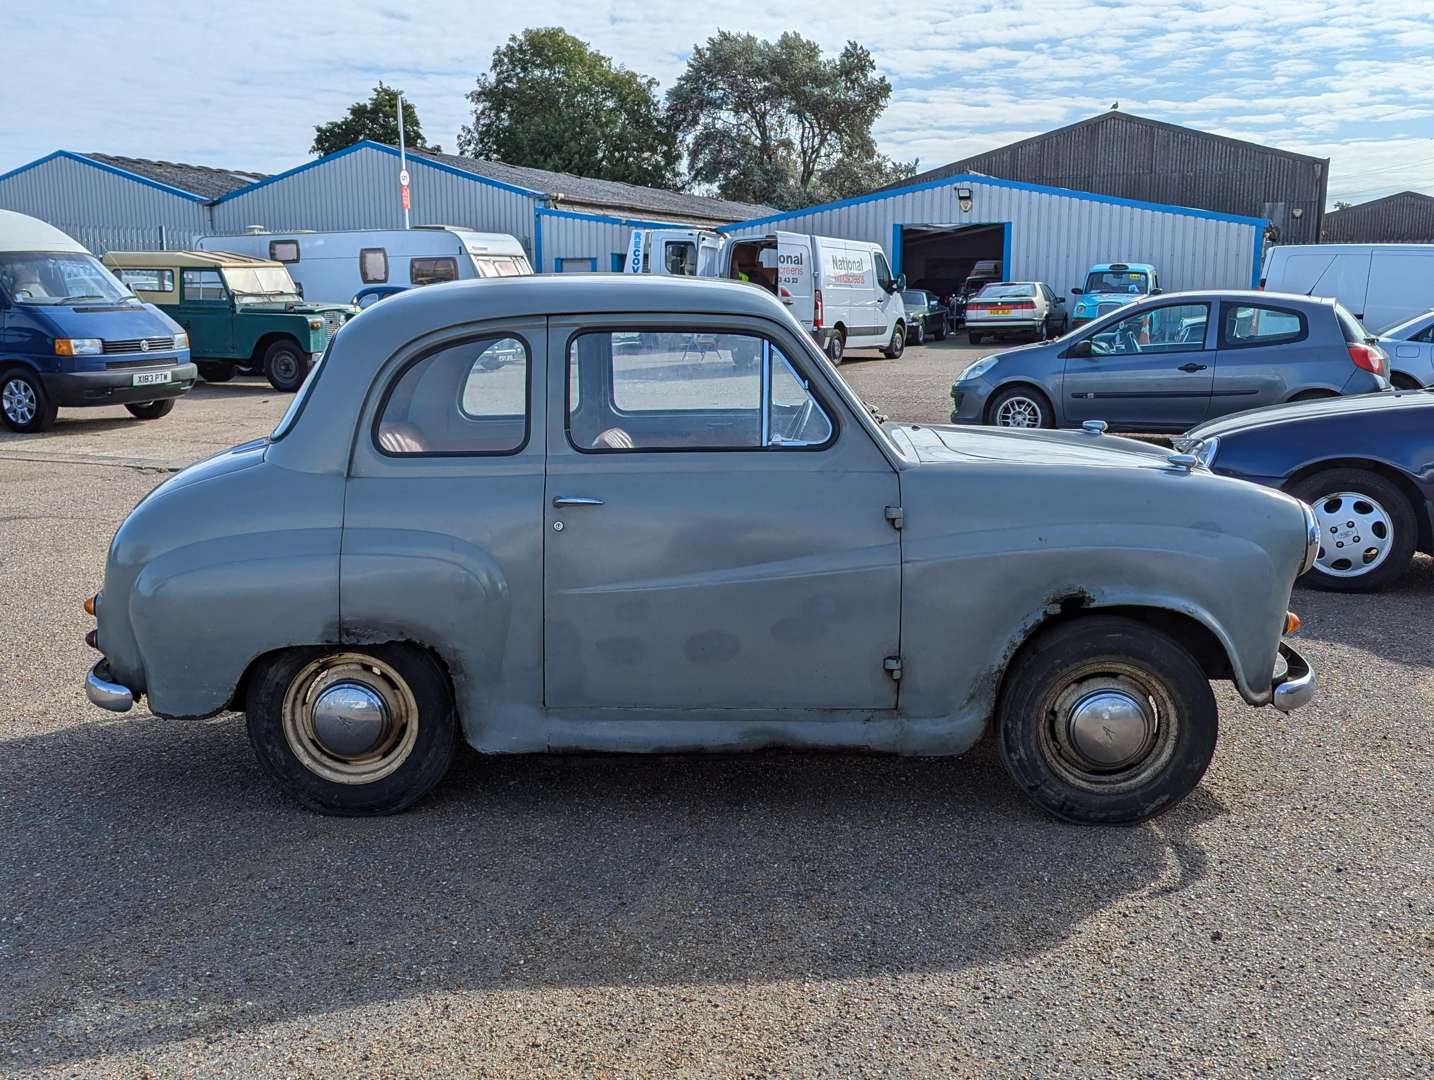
(106, 694)
(1295, 685)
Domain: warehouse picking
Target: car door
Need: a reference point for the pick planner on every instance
(1265, 354)
(205, 312)
(1413, 355)
(1151, 370)
(794, 275)
(716, 533)
(886, 301)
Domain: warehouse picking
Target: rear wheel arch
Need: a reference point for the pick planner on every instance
(1401, 381)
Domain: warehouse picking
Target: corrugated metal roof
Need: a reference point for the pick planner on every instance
(580, 191)
(1406, 217)
(199, 179)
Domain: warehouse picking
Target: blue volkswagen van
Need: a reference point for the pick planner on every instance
(71, 334)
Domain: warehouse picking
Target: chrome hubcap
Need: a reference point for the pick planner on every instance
(350, 718)
(1110, 729)
(19, 401)
(1355, 534)
(1018, 412)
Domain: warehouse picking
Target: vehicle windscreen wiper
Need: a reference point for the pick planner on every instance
(80, 296)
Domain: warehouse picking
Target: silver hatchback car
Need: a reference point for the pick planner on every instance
(1175, 360)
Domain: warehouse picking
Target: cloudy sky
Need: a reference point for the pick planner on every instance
(242, 84)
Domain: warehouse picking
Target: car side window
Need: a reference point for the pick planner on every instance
(463, 399)
(666, 391)
(1425, 335)
(1173, 328)
(433, 271)
(1243, 325)
(147, 279)
(284, 251)
(883, 272)
(202, 285)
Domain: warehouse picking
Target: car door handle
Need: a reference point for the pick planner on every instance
(560, 501)
(1192, 367)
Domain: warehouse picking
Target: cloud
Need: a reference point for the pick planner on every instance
(244, 85)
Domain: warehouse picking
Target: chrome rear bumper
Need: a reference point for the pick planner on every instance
(1295, 685)
(106, 694)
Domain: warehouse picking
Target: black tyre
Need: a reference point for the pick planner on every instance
(942, 330)
(836, 346)
(897, 345)
(24, 405)
(151, 410)
(1020, 407)
(215, 371)
(975, 338)
(1401, 381)
(918, 334)
(1368, 529)
(285, 365)
(1103, 720)
(353, 732)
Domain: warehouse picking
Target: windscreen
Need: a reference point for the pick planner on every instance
(1134, 282)
(52, 278)
(915, 298)
(262, 283)
(490, 266)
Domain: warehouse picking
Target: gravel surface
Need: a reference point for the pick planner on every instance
(164, 911)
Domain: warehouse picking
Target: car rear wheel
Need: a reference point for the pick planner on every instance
(285, 366)
(1104, 720)
(353, 732)
(151, 410)
(1020, 407)
(975, 338)
(836, 346)
(24, 405)
(941, 330)
(1401, 381)
(1367, 529)
(897, 345)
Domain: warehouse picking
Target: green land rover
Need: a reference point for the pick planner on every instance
(243, 315)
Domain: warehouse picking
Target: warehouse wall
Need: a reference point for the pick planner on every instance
(1055, 235)
(585, 241)
(358, 189)
(103, 209)
(1405, 218)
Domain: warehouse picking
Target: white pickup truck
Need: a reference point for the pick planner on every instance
(843, 291)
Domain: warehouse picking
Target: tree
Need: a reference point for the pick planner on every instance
(552, 102)
(777, 123)
(1340, 204)
(377, 119)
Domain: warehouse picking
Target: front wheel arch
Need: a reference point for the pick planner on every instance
(1028, 387)
(238, 702)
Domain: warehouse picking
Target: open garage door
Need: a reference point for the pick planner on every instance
(940, 258)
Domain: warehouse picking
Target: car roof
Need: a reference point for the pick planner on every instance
(21, 232)
(186, 258)
(1147, 267)
(1253, 295)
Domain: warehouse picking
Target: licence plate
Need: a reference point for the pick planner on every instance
(149, 378)
(999, 311)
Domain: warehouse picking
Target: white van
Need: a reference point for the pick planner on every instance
(365, 263)
(842, 291)
(1382, 284)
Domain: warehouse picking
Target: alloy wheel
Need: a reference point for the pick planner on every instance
(18, 401)
(1019, 412)
(1356, 534)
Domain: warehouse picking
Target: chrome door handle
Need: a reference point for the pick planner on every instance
(560, 501)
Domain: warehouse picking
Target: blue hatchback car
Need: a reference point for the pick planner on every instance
(72, 335)
(1362, 464)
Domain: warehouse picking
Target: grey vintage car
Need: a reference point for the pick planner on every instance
(557, 514)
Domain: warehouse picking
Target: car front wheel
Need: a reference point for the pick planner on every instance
(215, 371)
(151, 410)
(23, 402)
(897, 345)
(1104, 720)
(1367, 529)
(285, 366)
(352, 732)
(1020, 407)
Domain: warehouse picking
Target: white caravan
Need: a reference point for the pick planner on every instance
(1383, 284)
(363, 264)
(842, 291)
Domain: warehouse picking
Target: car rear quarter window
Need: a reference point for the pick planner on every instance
(1353, 330)
(1249, 325)
(469, 398)
(284, 251)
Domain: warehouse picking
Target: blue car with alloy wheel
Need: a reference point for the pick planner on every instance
(72, 335)
(1361, 462)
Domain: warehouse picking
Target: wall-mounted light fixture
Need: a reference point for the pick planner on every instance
(963, 199)
(1297, 212)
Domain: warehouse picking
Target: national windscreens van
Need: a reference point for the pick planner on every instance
(1382, 284)
(842, 291)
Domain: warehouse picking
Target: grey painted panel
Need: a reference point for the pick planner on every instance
(1405, 218)
(360, 191)
(103, 211)
(1054, 237)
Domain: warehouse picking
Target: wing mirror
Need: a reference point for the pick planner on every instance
(1156, 292)
(1080, 348)
(899, 285)
(1077, 292)
(1060, 299)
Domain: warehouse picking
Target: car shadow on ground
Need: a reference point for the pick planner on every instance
(168, 892)
(242, 386)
